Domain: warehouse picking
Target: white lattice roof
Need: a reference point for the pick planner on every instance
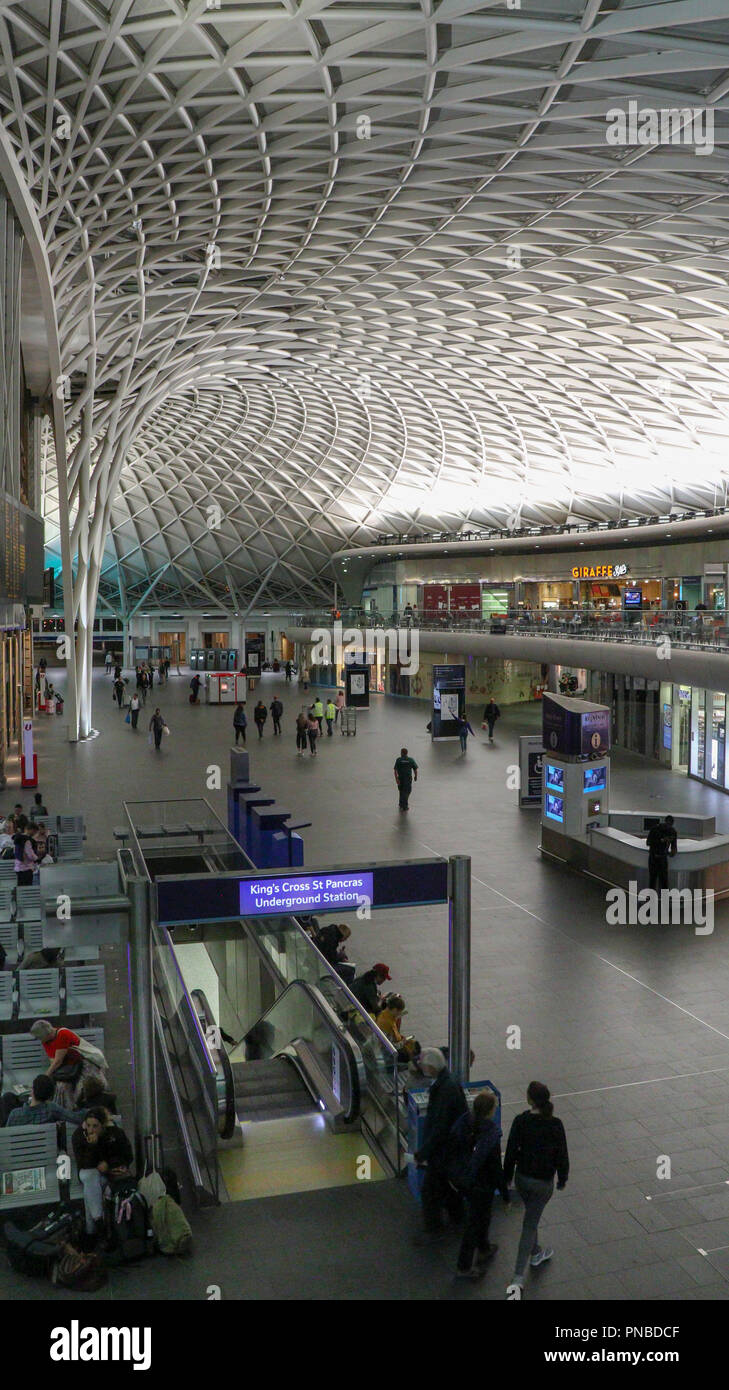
(326, 269)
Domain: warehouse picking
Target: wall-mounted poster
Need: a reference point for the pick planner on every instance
(449, 704)
(357, 683)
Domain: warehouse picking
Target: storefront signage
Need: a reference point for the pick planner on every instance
(599, 571)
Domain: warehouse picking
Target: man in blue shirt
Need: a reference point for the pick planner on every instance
(40, 1108)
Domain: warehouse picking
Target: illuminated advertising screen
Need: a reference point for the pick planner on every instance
(633, 598)
(554, 778)
(594, 779)
(553, 807)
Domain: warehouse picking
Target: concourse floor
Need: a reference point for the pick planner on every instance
(629, 1026)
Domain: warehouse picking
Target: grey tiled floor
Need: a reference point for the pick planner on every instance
(628, 1026)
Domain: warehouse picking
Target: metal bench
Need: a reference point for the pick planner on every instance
(7, 871)
(7, 903)
(80, 955)
(23, 1057)
(6, 996)
(85, 989)
(9, 941)
(28, 1168)
(39, 993)
(71, 825)
(29, 904)
(70, 848)
(32, 937)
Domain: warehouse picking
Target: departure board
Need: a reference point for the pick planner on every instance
(13, 560)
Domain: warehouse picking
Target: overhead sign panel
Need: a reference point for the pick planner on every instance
(223, 898)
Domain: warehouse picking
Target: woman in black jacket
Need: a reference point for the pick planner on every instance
(475, 1171)
(102, 1151)
(536, 1151)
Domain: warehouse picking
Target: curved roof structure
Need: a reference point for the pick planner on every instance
(324, 268)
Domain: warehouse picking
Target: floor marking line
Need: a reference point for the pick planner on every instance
(682, 1192)
(605, 961)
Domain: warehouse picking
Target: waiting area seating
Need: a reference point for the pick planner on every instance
(22, 1056)
(56, 992)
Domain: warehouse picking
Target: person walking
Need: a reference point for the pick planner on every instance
(157, 727)
(305, 676)
(313, 730)
(446, 1104)
(276, 709)
(535, 1152)
(464, 729)
(119, 686)
(260, 715)
(490, 715)
(134, 704)
(330, 714)
(107, 663)
(318, 712)
(405, 769)
(194, 688)
(662, 841)
(240, 722)
(161, 671)
(475, 1170)
(339, 703)
(142, 683)
(287, 669)
(302, 724)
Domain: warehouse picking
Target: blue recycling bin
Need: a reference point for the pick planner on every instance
(417, 1106)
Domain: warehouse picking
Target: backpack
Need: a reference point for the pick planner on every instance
(171, 1227)
(84, 1273)
(34, 1251)
(128, 1219)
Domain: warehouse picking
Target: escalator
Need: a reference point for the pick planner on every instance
(272, 1090)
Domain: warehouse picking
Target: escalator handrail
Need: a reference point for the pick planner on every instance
(222, 1061)
(328, 969)
(357, 1074)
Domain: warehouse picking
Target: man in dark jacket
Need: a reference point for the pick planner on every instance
(276, 708)
(490, 715)
(446, 1104)
(662, 841)
(367, 987)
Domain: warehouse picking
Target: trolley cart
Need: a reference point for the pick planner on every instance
(349, 721)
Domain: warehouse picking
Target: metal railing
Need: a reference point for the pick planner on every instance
(568, 528)
(689, 629)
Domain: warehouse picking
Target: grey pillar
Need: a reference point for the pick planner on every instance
(142, 1024)
(459, 967)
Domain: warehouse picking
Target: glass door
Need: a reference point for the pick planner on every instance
(698, 731)
(715, 759)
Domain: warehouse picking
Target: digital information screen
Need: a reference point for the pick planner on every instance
(554, 778)
(554, 807)
(633, 598)
(594, 779)
(205, 898)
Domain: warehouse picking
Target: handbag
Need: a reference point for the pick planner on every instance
(127, 718)
(89, 1052)
(71, 1070)
(165, 729)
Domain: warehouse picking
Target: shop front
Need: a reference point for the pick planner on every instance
(707, 748)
